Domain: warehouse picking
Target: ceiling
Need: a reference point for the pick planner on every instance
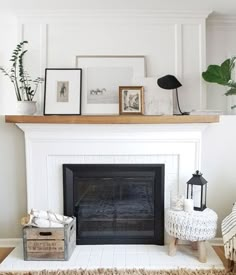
(221, 7)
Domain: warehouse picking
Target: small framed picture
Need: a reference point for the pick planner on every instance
(131, 100)
(62, 93)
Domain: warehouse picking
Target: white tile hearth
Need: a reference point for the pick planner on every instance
(117, 256)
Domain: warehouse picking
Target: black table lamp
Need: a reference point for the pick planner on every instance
(170, 82)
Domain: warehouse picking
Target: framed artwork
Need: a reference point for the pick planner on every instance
(102, 76)
(62, 92)
(131, 100)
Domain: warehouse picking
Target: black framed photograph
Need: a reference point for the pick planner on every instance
(62, 93)
(131, 100)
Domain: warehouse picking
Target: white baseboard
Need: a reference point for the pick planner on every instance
(10, 242)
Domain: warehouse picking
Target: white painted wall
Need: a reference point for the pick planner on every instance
(218, 165)
(8, 33)
(12, 180)
(12, 159)
(221, 44)
(171, 46)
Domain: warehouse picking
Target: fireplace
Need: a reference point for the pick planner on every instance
(49, 146)
(115, 203)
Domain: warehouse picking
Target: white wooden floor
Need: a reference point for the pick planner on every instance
(116, 256)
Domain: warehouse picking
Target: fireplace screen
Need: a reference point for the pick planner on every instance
(115, 203)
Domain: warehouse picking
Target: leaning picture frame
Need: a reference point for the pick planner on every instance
(102, 76)
(131, 100)
(62, 91)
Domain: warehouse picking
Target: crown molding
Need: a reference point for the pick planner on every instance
(221, 20)
(115, 14)
(7, 16)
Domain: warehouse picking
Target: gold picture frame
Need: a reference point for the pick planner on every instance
(131, 100)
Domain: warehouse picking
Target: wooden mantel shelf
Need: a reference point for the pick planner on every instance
(122, 119)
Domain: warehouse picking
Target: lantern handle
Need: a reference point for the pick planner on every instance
(198, 173)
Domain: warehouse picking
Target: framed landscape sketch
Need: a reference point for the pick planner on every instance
(62, 93)
(131, 100)
(102, 76)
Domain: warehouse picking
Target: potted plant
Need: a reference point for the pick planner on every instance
(222, 75)
(25, 87)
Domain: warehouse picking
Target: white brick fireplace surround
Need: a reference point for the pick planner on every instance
(48, 146)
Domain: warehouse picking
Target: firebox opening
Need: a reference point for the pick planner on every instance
(115, 203)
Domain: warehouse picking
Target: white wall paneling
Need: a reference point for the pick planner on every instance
(178, 51)
(43, 62)
(202, 63)
(172, 42)
(36, 57)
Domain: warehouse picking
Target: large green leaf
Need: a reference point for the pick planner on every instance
(218, 74)
(226, 68)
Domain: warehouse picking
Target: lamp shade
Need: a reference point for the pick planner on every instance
(168, 82)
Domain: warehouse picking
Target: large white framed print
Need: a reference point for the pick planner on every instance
(101, 78)
(62, 93)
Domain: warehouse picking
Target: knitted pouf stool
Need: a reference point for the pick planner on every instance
(195, 226)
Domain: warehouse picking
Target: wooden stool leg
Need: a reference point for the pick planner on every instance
(202, 252)
(172, 246)
(194, 245)
(229, 265)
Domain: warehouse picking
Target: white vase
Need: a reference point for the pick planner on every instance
(26, 107)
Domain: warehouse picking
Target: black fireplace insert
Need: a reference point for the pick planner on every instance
(115, 203)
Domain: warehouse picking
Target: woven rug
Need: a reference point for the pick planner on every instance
(118, 257)
(123, 272)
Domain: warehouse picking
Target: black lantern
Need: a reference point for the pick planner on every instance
(197, 190)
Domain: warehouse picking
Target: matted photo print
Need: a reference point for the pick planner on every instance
(102, 76)
(62, 93)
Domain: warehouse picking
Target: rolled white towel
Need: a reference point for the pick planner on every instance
(31, 220)
(42, 223)
(51, 216)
